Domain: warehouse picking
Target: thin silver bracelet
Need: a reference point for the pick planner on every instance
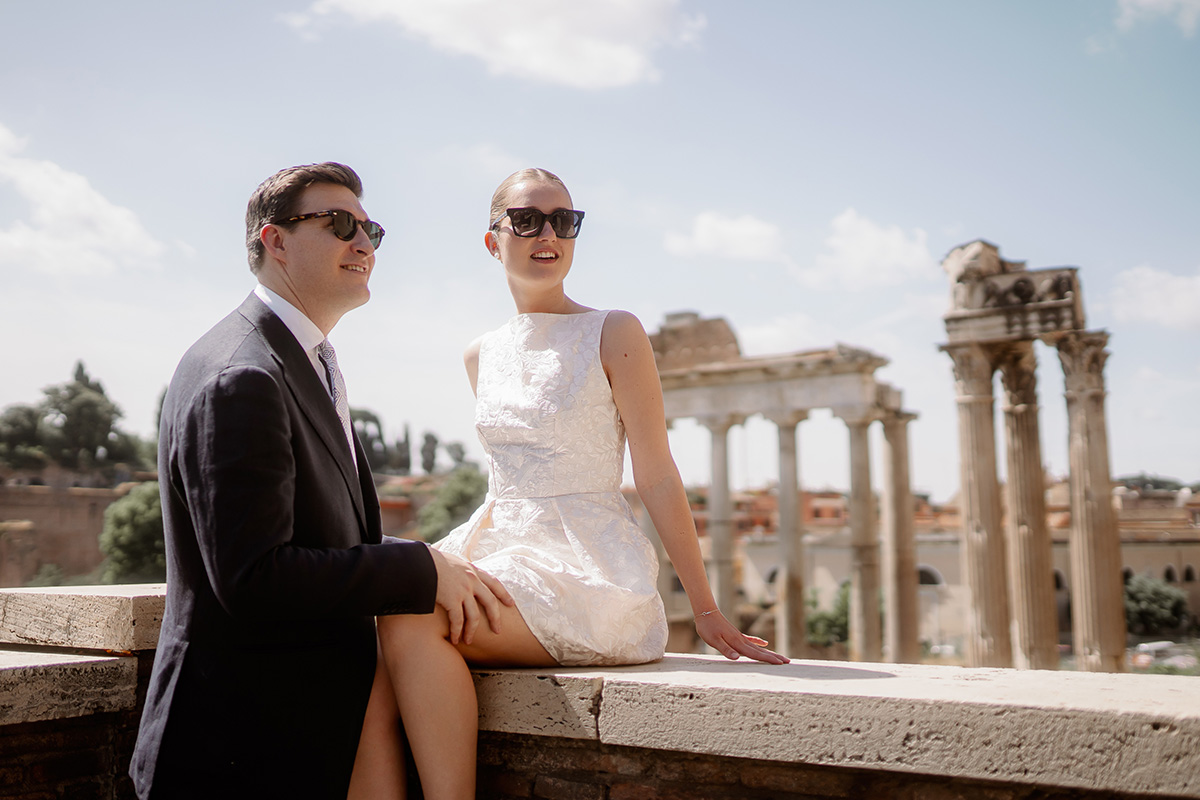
(705, 613)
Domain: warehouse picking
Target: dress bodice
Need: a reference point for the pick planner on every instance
(545, 413)
(555, 528)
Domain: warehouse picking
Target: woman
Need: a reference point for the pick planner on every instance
(558, 388)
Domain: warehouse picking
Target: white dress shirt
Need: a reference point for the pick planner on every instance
(303, 328)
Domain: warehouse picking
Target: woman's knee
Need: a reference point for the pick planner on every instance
(410, 628)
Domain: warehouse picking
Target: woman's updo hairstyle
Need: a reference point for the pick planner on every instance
(500, 198)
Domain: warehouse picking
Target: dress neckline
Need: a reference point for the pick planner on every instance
(524, 314)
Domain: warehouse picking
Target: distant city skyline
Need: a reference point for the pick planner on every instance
(798, 169)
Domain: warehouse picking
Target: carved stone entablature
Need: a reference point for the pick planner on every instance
(782, 386)
(994, 300)
(972, 261)
(1032, 287)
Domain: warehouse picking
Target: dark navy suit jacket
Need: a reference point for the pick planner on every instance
(275, 570)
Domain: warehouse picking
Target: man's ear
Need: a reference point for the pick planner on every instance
(272, 240)
(492, 243)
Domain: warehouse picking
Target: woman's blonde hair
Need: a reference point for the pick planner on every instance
(500, 198)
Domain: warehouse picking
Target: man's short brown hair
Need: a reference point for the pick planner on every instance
(275, 199)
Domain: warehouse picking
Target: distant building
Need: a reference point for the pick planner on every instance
(1160, 538)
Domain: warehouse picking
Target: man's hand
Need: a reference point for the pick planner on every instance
(461, 590)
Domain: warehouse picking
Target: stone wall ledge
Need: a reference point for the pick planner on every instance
(121, 619)
(1129, 735)
(42, 685)
(1135, 734)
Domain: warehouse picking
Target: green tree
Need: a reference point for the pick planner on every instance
(48, 575)
(457, 453)
(429, 453)
(370, 432)
(21, 437)
(827, 627)
(1144, 482)
(400, 460)
(78, 427)
(1153, 607)
(453, 504)
(133, 537)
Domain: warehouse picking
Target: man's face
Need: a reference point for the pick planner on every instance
(326, 276)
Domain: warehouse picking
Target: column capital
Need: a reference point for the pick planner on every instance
(1017, 363)
(787, 419)
(1083, 357)
(898, 417)
(973, 368)
(720, 423)
(857, 415)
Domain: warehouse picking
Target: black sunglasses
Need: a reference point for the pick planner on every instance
(345, 225)
(528, 222)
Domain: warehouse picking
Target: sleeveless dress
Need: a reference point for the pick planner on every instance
(554, 527)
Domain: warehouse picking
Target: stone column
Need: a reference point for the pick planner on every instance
(898, 543)
(1030, 558)
(790, 633)
(720, 515)
(866, 641)
(1097, 591)
(988, 638)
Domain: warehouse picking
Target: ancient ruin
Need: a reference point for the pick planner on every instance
(998, 310)
(704, 376)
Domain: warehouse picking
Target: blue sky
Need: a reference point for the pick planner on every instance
(798, 168)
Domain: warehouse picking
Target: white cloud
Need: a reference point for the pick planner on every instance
(716, 235)
(861, 254)
(72, 229)
(595, 45)
(1145, 294)
(1185, 12)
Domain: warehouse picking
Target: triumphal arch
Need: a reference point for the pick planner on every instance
(998, 310)
(705, 377)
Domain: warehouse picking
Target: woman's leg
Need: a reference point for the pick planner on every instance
(379, 765)
(436, 695)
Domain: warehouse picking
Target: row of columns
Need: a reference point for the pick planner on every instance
(1009, 570)
(899, 575)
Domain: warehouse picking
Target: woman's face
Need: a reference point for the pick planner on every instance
(541, 260)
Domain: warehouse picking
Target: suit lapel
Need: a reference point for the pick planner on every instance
(311, 396)
(366, 485)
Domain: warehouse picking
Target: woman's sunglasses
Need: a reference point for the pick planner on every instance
(345, 225)
(528, 222)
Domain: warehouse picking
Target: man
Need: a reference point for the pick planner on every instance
(275, 561)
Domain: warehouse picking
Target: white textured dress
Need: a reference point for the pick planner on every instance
(554, 527)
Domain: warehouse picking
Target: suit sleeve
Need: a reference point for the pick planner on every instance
(236, 464)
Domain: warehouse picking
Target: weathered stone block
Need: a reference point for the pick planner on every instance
(44, 686)
(118, 618)
(540, 704)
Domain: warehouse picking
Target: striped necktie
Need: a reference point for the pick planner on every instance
(338, 383)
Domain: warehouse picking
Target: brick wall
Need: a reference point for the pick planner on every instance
(515, 766)
(66, 526)
(80, 758)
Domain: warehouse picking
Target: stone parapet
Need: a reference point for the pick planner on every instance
(36, 685)
(114, 618)
(687, 726)
(1127, 734)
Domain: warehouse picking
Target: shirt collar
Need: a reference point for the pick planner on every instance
(303, 328)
